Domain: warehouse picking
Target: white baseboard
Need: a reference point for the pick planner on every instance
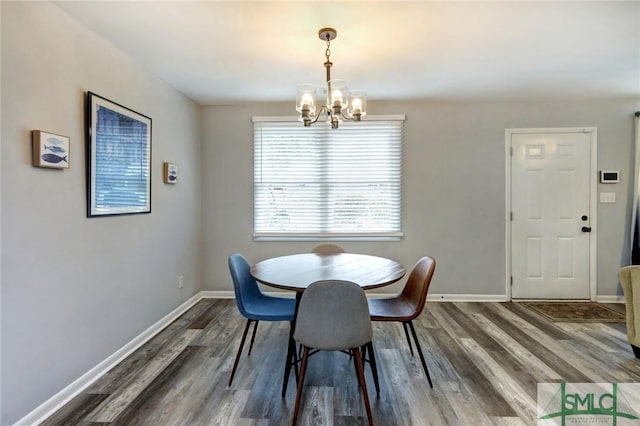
(57, 401)
(219, 294)
(467, 298)
(610, 299)
(222, 294)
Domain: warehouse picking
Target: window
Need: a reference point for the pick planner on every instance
(314, 182)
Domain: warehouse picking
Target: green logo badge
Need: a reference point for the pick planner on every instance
(588, 403)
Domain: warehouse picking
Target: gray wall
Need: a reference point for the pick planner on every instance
(454, 187)
(75, 290)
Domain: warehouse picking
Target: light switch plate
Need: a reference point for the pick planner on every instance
(607, 197)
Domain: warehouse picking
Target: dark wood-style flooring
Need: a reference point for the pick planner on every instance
(485, 360)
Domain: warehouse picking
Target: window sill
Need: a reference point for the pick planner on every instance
(387, 236)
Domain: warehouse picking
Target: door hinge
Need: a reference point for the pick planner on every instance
(511, 216)
(511, 151)
(511, 280)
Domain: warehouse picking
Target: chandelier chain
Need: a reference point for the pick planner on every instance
(327, 52)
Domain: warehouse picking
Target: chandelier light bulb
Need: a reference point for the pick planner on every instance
(307, 100)
(336, 96)
(358, 107)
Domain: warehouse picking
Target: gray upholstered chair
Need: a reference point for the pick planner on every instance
(333, 315)
(328, 248)
(630, 280)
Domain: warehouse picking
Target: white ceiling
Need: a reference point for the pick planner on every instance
(228, 52)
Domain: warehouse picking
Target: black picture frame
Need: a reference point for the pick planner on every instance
(118, 156)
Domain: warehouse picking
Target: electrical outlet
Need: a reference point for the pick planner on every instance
(180, 281)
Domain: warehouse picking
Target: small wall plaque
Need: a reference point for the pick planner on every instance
(170, 174)
(50, 150)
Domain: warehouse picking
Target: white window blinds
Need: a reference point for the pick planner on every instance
(315, 181)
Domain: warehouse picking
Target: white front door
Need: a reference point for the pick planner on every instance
(550, 225)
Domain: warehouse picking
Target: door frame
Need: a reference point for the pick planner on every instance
(593, 199)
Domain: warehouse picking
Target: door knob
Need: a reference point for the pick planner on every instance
(586, 229)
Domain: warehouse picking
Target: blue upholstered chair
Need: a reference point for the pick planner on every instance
(254, 305)
(333, 316)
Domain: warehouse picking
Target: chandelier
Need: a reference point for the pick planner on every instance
(342, 104)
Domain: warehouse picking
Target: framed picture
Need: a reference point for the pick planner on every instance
(50, 150)
(170, 174)
(118, 159)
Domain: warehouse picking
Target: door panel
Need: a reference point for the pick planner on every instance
(550, 184)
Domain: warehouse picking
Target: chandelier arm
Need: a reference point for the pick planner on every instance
(353, 117)
(346, 117)
(319, 113)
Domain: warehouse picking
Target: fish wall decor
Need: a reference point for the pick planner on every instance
(49, 150)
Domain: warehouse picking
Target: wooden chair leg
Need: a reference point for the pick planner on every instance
(363, 351)
(253, 337)
(363, 384)
(235, 363)
(355, 363)
(303, 370)
(424, 364)
(406, 333)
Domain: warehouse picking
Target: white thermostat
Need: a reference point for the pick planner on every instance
(609, 176)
